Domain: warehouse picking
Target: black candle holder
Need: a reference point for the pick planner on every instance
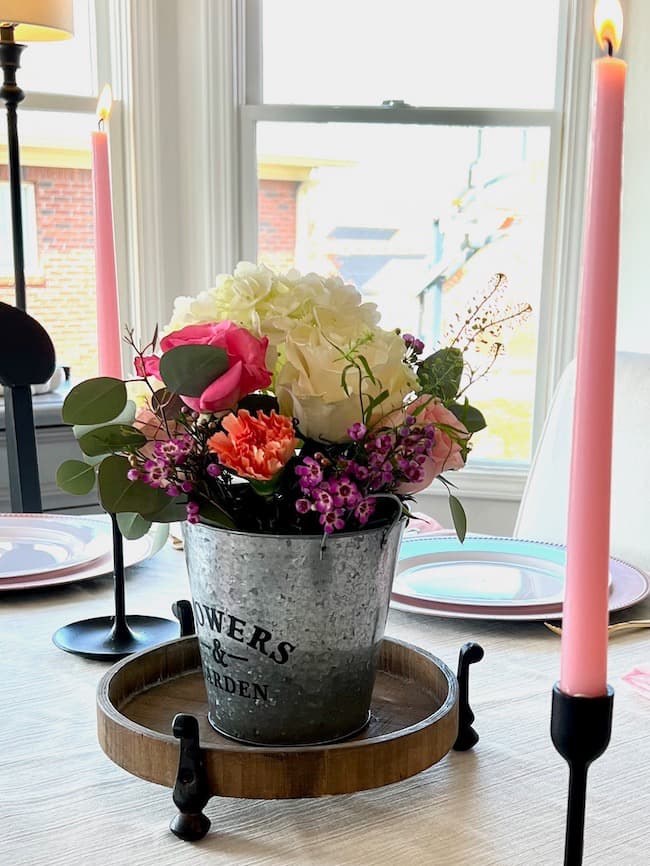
(580, 730)
(112, 637)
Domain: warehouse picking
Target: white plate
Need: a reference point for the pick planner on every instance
(31, 544)
(485, 571)
(134, 552)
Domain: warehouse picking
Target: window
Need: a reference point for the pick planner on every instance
(414, 157)
(55, 121)
(30, 245)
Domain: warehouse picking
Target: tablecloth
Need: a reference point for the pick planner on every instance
(62, 801)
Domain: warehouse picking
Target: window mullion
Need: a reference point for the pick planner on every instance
(565, 205)
(59, 102)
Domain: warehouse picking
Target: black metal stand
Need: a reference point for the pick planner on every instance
(26, 358)
(112, 637)
(10, 52)
(22, 459)
(191, 791)
(580, 730)
(24, 487)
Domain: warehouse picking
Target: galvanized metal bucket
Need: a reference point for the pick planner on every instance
(289, 633)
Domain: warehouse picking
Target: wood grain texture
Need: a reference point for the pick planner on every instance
(414, 723)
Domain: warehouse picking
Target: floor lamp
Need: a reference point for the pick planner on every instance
(23, 21)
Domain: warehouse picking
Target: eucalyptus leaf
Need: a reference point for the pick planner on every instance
(133, 526)
(95, 401)
(440, 373)
(126, 416)
(211, 514)
(118, 494)
(458, 516)
(188, 370)
(173, 511)
(76, 477)
(470, 416)
(113, 437)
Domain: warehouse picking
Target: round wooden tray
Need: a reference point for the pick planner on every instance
(414, 723)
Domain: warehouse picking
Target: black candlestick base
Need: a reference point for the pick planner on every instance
(99, 639)
(113, 637)
(580, 730)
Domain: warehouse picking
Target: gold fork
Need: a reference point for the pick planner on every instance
(612, 629)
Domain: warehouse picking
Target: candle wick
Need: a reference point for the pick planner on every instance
(100, 124)
(610, 48)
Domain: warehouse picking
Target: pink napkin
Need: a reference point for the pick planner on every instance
(420, 523)
(639, 679)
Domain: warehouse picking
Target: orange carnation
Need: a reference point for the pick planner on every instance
(255, 448)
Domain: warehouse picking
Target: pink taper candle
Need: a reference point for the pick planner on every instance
(586, 604)
(108, 316)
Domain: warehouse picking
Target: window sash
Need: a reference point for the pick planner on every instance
(567, 123)
(110, 51)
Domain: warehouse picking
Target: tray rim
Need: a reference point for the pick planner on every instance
(447, 713)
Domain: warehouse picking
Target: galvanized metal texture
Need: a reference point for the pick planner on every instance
(290, 632)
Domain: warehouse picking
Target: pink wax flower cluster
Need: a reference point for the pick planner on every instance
(446, 451)
(278, 404)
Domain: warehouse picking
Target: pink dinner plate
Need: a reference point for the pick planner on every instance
(134, 552)
(495, 578)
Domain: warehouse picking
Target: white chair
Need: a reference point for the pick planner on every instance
(544, 505)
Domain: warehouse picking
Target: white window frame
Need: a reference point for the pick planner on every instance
(567, 122)
(195, 216)
(109, 55)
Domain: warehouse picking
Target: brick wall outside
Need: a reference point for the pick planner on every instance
(276, 202)
(62, 295)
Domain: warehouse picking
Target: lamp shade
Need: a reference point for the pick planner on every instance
(38, 20)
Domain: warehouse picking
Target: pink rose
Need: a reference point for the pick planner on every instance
(147, 366)
(446, 453)
(246, 363)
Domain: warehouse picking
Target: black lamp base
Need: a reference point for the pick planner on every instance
(99, 639)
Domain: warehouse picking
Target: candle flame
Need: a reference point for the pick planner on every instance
(104, 104)
(608, 23)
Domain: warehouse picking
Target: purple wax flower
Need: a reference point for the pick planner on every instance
(214, 470)
(309, 473)
(357, 431)
(302, 506)
(332, 520)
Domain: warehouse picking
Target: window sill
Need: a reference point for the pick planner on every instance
(46, 408)
(34, 281)
(488, 481)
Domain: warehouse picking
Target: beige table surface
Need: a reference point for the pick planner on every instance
(62, 801)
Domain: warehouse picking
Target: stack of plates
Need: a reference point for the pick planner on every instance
(489, 577)
(39, 550)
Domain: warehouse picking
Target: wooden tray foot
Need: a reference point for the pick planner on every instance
(191, 792)
(467, 737)
(189, 828)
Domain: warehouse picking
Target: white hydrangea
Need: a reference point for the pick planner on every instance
(272, 305)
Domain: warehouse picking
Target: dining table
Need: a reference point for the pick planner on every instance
(63, 801)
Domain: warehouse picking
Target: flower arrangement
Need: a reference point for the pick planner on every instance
(277, 404)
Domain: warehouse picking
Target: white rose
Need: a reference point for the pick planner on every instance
(309, 385)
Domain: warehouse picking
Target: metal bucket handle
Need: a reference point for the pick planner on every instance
(400, 515)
